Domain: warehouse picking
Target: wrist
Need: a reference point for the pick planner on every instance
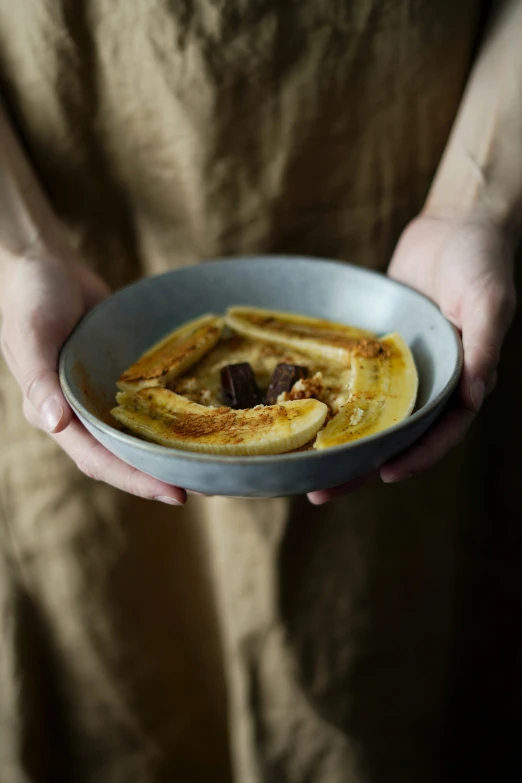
(480, 214)
(464, 191)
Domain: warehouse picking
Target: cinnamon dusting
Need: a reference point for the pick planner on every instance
(371, 349)
(168, 355)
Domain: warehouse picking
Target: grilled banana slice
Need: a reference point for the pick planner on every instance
(174, 354)
(383, 390)
(313, 336)
(164, 417)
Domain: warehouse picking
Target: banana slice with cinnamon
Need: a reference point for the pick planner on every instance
(313, 336)
(174, 354)
(382, 392)
(161, 416)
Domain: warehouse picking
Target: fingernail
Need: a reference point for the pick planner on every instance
(52, 413)
(169, 500)
(477, 391)
(318, 500)
(393, 479)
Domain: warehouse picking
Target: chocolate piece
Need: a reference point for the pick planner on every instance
(284, 377)
(239, 387)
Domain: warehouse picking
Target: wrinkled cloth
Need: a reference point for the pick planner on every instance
(371, 640)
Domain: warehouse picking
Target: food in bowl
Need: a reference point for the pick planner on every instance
(263, 382)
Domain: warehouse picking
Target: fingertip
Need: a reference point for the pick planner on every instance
(167, 493)
(318, 498)
(492, 383)
(393, 477)
(170, 500)
(143, 486)
(55, 415)
(322, 496)
(477, 391)
(180, 495)
(67, 418)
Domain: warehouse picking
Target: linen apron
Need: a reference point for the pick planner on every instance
(236, 640)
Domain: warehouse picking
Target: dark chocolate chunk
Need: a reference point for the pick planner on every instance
(239, 387)
(284, 377)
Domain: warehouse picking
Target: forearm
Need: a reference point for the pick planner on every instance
(480, 174)
(27, 220)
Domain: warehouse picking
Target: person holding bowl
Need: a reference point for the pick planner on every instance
(230, 639)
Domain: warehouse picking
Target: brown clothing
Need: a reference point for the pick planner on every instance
(247, 640)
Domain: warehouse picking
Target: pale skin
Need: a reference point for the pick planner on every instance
(458, 251)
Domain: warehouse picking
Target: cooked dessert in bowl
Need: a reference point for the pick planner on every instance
(258, 382)
(110, 339)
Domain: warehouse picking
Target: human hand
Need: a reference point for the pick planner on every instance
(41, 300)
(466, 268)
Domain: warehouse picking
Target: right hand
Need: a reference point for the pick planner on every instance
(42, 300)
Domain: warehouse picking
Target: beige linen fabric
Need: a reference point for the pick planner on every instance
(236, 640)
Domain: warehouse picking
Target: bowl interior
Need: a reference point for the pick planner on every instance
(121, 328)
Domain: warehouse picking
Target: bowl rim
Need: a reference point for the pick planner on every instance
(262, 459)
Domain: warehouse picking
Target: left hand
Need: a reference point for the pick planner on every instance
(466, 268)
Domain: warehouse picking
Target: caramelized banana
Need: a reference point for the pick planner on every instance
(383, 391)
(161, 416)
(312, 336)
(174, 354)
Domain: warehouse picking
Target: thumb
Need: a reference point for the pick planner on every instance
(31, 351)
(35, 368)
(42, 390)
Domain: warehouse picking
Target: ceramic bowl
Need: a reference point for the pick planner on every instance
(116, 332)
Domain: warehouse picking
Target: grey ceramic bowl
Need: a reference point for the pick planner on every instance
(121, 328)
